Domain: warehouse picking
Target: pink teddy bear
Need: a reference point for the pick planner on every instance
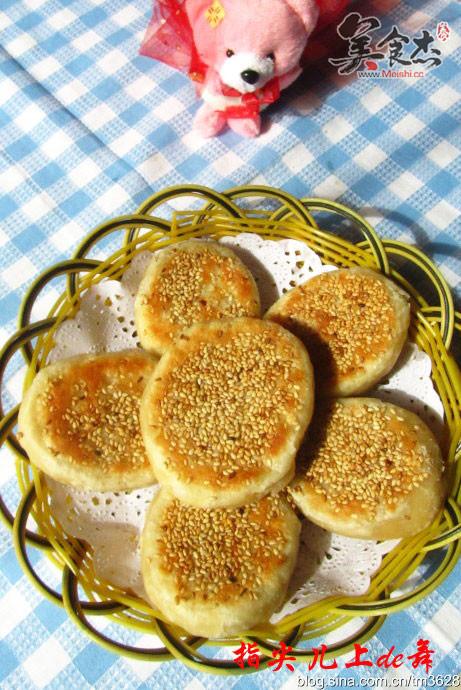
(241, 53)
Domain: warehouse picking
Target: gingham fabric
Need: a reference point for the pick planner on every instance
(88, 129)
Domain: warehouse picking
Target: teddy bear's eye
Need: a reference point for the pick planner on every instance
(229, 52)
(271, 56)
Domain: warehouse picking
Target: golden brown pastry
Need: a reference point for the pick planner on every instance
(191, 282)
(79, 421)
(225, 412)
(369, 469)
(218, 572)
(354, 323)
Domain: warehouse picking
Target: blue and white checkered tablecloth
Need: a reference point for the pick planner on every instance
(88, 129)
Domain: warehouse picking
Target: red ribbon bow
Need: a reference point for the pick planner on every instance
(251, 102)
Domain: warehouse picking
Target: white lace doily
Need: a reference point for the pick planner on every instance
(111, 522)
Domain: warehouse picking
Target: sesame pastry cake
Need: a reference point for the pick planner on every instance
(369, 469)
(217, 572)
(225, 412)
(354, 323)
(79, 421)
(188, 283)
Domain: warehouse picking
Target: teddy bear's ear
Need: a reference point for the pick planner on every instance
(307, 10)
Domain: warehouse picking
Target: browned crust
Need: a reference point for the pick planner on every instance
(354, 323)
(194, 281)
(223, 573)
(378, 474)
(79, 421)
(206, 425)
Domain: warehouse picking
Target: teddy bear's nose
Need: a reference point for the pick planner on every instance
(250, 76)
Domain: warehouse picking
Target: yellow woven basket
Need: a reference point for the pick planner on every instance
(278, 215)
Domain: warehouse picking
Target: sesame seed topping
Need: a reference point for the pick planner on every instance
(202, 285)
(212, 553)
(359, 457)
(344, 318)
(97, 422)
(228, 406)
